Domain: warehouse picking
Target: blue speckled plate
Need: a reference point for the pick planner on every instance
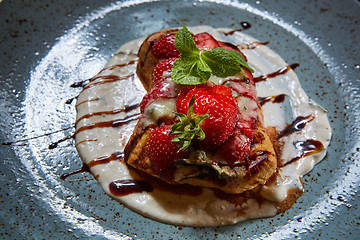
(322, 36)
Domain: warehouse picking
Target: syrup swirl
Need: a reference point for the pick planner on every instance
(116, 156)
(281, 71)
(297, 125)
(22, 142)
(125, 187)
(83, 83)
(112, 123)
(306, 148)
(275, 99)
(112, 112)
(80, 84)
(70, 100)
(55, 144)
(244, 26)
(107, 79)
(162, 186)
(84, 168)
(112, 67)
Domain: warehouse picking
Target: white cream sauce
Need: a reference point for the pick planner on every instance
(206, 209)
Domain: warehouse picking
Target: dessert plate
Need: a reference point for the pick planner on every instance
(47, 47)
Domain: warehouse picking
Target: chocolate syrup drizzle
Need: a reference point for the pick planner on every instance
(70, 100)
(112, 112)
(88, 83)
(275, 99)
(281, 71)
(55, 144)
(80, 84)
(112, 123)
(125, 187)
(147, 183)
(84, 168)
(106, 79)
(244, 26)
(297, 125)
(22, 142)
(83, 83)
(116, 156)
(112, 67)
(307, 148)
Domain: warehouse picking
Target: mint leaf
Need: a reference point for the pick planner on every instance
(195, 67)
(203, 66)
(224, 62)
(189, 71)
(185, 43)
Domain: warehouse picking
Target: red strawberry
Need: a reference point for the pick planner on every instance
(220, 89)
(161, 150)
(249, 75)
(246, 127)
(183, 100)
(245, 89)
(163, 66)
(187, 89)
(231, 46)
(222, 109)
(164, 47)
(164, 89)
(204, 41)
(236, 149)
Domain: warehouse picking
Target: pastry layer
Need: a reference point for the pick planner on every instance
(260, 164)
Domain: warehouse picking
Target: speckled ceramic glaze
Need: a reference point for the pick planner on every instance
(47, 46)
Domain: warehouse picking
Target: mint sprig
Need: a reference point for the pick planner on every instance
(190, 70)
(224, 62)
(188, 127)
(185, 43)
(195, 67)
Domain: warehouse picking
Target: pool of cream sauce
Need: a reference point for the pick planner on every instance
(206, 209)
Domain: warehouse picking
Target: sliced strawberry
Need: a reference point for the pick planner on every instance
(161, 151)
(231, 46)
(249, 75)
(183, 100)
(244, 88)
(246, 127)
(204, 41)
(221, 89)
(236, 149)
(185, 91)
(164, 47)
(162, 70)
(222, 110)
(164, 89)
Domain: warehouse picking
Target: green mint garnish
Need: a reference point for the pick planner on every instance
(195, 67)
(188, 127)
(190, 70)
(223, 62)
(185, 43)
